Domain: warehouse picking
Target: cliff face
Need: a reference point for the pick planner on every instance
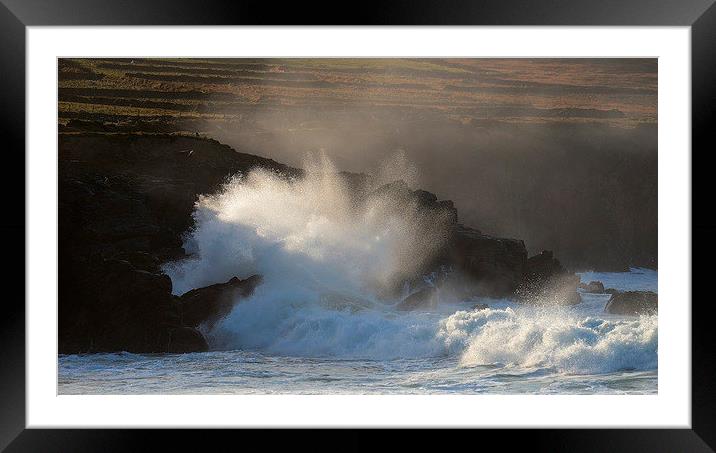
(130, 192)
(126, 200)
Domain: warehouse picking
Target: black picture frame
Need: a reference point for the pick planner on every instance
(16, 15)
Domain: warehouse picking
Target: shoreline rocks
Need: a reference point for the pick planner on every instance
(546, 282)
(186, 339)
(593, 287)
(206, 306)
(486, 266)
(633, 303)
(124, 202)
(114, 305)
(128, 306)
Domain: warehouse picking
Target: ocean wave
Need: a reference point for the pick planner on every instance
(563, 341)
(287, 323)
(514, 337)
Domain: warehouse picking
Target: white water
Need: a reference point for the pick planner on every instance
(308, 235)
(323, 321)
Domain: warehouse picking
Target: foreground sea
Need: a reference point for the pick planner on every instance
(504, 349)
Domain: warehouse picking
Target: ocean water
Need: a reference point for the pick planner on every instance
(505, 349)
(324, 321)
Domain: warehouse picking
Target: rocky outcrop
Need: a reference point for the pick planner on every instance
(206, 306)
(124, 202)
(402, 197)
(593, 287)
(485, 266)
(127, 305)
(633, 303)
(184, 339)
(479, 264)
(546, 282)
(118, 305)
(124, 193)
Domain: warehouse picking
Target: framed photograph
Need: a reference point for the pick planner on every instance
(432, 216)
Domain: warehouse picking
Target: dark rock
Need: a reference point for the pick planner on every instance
(117, 307)
(124, 203)
(633, 303)
(489, 266)
(420, 300)
(479, 264)
(128, 193)
(425, 197)
(478, 307)
(544, 265)
(611, 291)
(443, 212)
(546, 282)
(186, 339)
(206, 306)
(140, 260)
(594, 287)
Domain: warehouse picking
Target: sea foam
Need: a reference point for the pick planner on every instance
(560, 339)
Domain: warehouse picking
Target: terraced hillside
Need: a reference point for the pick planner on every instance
(193, 94)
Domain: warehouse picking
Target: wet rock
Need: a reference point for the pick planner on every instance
(117, 307)
(633, 303)
(479, 264)
(124, 202)
(186, 339)
(206, 306)
(129, 193)
(404, 199)
(488, 266)
(478, 307)
(594, 287)
(546, 282)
